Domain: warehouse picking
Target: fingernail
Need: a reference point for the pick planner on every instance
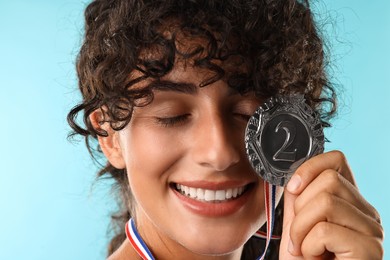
(294, 183)
(290, 247)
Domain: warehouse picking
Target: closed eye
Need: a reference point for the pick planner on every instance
(244, 117)
(172, 121)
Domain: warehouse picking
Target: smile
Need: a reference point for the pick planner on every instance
(210, 195)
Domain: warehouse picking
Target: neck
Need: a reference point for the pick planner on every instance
(162, 247)
(127, 252)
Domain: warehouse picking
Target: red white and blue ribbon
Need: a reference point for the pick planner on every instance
(270, 204)
(137, 242)
(263, 235)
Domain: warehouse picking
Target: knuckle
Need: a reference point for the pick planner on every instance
(376, 215)
(327, 201)
(378, 250)
(381, 251)
(332, 178)
(340, 156)
(381, 233)
(322, 230)
(377, 231)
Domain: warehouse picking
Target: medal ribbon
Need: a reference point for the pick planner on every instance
(269, 195)
(137, 242)
(270, 204)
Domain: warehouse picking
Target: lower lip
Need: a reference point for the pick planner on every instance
(214, 209)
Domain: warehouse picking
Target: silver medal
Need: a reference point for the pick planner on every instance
(282, 134)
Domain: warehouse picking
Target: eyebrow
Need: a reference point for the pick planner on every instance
(182, 87)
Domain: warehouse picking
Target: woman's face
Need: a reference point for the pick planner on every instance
(186, 163)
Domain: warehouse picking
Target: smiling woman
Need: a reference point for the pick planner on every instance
(168, 88)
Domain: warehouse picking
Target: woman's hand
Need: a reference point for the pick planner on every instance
(325, 216)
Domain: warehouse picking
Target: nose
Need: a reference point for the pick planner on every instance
(216, 144)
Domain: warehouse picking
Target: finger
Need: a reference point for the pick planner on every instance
(332, 209)
(331, 182)
(342, 242)
(310, 169)
(288, 216)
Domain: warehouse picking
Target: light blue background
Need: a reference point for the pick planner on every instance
(48, 206)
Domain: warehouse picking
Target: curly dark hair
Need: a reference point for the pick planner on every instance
(267, 47)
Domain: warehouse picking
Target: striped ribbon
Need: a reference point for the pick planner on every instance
(137, 242)
(263, 235)
(270, 203)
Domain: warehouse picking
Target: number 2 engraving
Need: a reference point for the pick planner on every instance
(282, 154)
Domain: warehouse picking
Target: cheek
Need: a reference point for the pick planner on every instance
(149, 154)
(148, 148)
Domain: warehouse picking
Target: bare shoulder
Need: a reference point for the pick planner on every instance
(124, 252)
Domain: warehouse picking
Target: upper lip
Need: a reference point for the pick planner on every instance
(209, 185)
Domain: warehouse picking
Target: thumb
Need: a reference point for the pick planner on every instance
(288, 216)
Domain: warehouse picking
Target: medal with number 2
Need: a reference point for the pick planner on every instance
(282, 134)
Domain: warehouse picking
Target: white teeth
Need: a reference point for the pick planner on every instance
(193, 192)
(200, 194)
(229, 193)
(220, 195)
(210, 195)
(235, 192)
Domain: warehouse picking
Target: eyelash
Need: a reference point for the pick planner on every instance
(172, 121)
(177, 120)
(243, 116)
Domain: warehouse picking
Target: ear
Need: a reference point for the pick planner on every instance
(109, 144)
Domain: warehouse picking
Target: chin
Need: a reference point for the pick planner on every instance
(215, 246)
(216, 250)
